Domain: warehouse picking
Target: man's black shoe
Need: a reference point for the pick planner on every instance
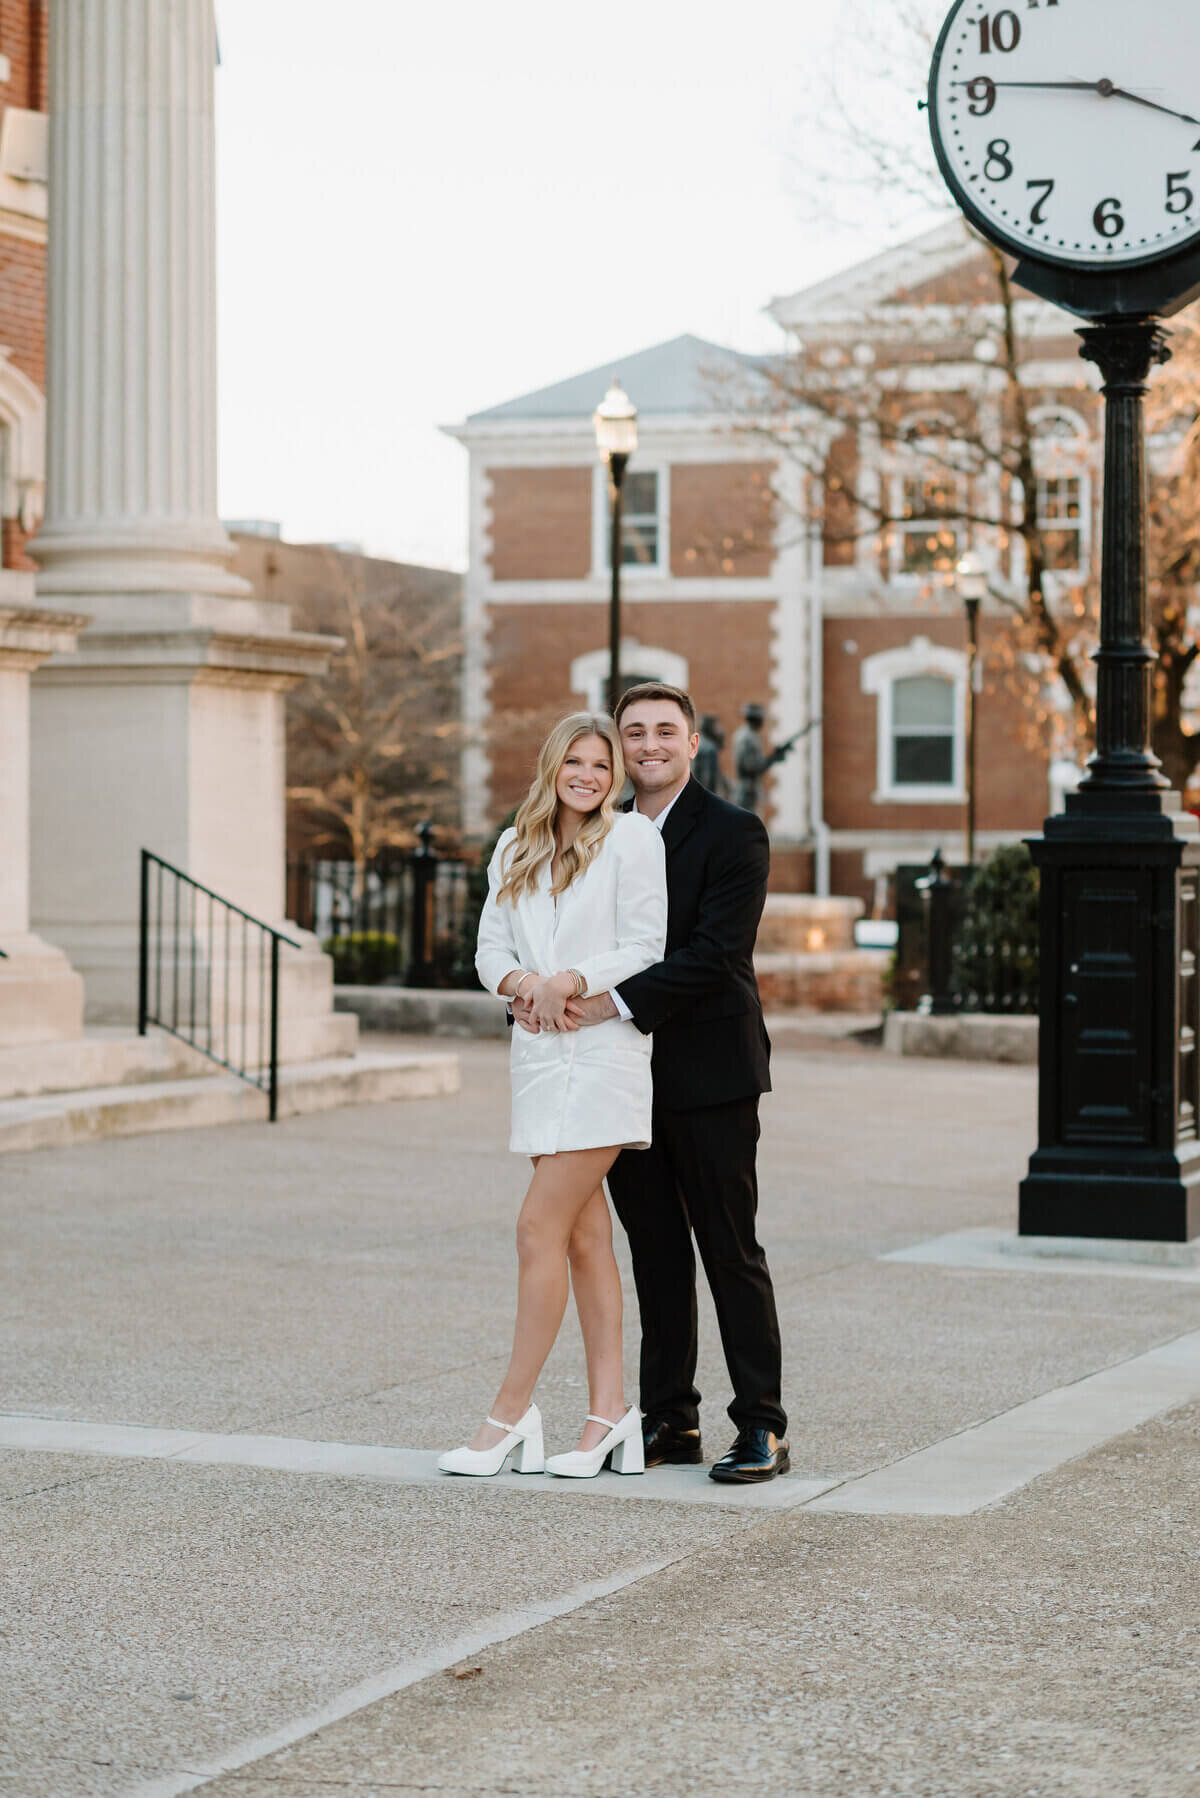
(756, 1455)
(664, 1443)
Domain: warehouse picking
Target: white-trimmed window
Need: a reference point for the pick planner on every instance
(589, 673)
(1060, 521)
(1063, 453)
(644, 513)
(928, 497)
(639, 518)
(922, 731)
(23, 424)
(920, 693)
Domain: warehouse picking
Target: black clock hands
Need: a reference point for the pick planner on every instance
(1105, 88)
(1123, 93)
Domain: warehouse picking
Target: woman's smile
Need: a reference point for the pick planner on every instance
(585, 778)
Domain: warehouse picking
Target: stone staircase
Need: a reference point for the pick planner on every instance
(112, 1082)
(805, 958)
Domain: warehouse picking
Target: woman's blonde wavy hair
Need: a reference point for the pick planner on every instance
(535, 842)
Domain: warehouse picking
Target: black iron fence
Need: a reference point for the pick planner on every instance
(967, 936)
(407, 917)
(208, 973)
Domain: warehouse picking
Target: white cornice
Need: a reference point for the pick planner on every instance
(648, 589)
(15, 224)
(860, 299)
(579, 433)
(866, 284)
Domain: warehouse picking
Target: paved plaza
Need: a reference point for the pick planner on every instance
(230, 1356)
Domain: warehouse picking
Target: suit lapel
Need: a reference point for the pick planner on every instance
(684, 816)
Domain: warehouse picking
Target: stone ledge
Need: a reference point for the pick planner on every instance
(831, 980)
(423, 1011)
(800, 923)
(970, 1036)
(93, 1114)
(100, 1058)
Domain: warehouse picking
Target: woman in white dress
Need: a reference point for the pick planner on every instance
(577, 902)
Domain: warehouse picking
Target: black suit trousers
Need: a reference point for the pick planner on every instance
(699, 1176)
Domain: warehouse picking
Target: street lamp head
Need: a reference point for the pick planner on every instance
(615, 419)
(970, 577)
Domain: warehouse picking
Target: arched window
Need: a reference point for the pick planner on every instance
(589, 673)
(1062, 452)
(22, 426)
(920, 693)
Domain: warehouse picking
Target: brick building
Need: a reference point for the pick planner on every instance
(23, 171)
(789, 541)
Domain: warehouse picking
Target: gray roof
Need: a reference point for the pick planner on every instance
(684, 375)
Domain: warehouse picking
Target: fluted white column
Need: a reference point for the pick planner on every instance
(165, 730)
(131, 338)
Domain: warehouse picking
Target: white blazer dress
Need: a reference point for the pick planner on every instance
(588, 1088)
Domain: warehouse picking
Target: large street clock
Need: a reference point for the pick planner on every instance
(1069, 133)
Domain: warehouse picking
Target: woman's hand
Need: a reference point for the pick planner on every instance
(548, 995)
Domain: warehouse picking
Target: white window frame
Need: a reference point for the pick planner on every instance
(600, 523)
(23, 421)
(879, 675)
(908, 465)
(1058, 458)
(589, 672)
(1071, 570)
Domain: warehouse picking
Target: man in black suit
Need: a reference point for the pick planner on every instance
(711, 1054)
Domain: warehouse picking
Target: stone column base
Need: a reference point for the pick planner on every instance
(41, 995)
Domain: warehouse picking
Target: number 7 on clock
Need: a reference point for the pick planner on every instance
(1038, 215)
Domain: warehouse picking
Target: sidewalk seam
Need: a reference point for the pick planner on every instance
(504, 1627)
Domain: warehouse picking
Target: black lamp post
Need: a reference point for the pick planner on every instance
(970, 583)
(615, 420)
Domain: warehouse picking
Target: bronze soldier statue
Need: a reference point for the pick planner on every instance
(751, 758)
(707, 766)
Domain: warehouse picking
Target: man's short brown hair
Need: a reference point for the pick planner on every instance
(657, 689)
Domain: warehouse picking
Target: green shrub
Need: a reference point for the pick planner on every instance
(996, 946)
(364, 957)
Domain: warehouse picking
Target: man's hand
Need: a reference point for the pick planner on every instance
(522, 1010)
(597, 1010)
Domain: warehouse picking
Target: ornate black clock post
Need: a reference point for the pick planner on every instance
(1036, 159)
(1118, 1102)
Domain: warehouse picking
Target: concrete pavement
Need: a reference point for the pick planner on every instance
(260, 1592)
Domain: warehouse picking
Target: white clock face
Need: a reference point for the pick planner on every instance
(1071, 128)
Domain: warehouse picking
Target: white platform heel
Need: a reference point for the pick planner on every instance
(623, 1443)
(525, 1437)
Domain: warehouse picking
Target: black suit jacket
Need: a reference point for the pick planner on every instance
(701, 1001)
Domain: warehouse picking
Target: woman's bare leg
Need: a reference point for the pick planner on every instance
(596, 1284)
(560, 1188)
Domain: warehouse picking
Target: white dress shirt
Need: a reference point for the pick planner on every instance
(623, 1010)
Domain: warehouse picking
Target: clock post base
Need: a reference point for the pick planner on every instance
(1068, 1193)
(1119, 1055)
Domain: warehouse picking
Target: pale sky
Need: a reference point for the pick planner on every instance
(424, 210)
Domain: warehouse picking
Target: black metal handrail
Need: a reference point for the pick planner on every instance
(206, 1003)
